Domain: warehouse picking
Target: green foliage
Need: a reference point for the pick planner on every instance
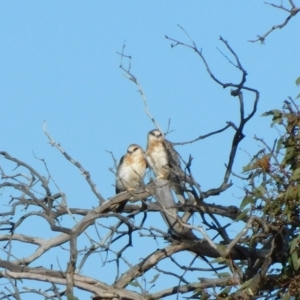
(273, 194)
(277, 116)
(224, 293)
(243, 214)
(154, 278)
(134, 284)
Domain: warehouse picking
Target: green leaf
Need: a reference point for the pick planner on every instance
(273, 112)
(261, 190)
(297, 97)
(277, 116)
(276, 210)
(204, 297)
(298, 81)
(227, 290)
(276, 120)
(134, 283)
(247, 283)
(222, 248)
(296, 174)
(298, 190)
(224, 293)
(224, 274)
(295, 260)
(246, 201)
(290, 193)
(218, 259)
(247, 168)
(154, 278)
(289, 214)
(289, 155)
(294, 244)
(279, 144)
(242, 214)
(286, 208)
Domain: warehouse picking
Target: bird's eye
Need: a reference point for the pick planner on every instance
(135, 149)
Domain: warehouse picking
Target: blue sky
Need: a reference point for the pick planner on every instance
(59, 64)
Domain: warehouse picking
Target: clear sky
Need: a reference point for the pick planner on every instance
(59, 64)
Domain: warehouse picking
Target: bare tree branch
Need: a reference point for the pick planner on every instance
(85, 173)
(293, 10)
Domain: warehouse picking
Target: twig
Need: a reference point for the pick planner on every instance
(33, 171)
(85, 173)
(237, 92)
(201, 137)
(132, 77)
(292, 13)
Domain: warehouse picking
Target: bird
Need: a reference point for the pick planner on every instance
(164, 161)
(157, 155)
(130, 171)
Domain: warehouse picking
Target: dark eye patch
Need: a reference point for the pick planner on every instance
(131, 150)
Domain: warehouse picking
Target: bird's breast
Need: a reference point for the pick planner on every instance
(158, 160)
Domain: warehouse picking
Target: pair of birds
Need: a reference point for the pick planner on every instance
(132, 167)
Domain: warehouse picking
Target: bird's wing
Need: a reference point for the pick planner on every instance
(176, 172)
(118, 189)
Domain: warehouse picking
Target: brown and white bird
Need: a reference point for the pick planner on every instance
(131, 171)
(157, 155)
(164, 161)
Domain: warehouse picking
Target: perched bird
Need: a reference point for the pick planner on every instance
(157, 155)
(131, 171)
(164, 161)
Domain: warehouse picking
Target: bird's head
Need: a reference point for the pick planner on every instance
(135, 150)
(155, 135)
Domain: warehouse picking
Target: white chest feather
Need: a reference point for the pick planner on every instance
(157, 159)
(131, 173)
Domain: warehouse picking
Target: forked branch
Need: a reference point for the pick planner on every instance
(237, 91)
(292, 11)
